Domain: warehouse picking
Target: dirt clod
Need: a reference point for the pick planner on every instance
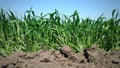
(65, 58)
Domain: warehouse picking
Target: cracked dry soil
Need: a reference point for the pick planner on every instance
(64, 58)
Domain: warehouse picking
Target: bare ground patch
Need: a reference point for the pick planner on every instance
(64, 58)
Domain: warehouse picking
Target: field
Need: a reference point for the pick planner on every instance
(52, 31)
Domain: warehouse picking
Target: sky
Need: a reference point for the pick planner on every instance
(86, 8)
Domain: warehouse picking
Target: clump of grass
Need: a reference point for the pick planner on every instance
(50, 31)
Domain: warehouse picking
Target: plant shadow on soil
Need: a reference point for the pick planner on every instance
(64, 58)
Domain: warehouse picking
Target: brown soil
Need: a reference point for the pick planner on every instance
(65, 58)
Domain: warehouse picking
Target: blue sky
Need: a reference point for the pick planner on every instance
(86, 8)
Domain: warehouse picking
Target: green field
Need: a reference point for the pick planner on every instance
(52, 31)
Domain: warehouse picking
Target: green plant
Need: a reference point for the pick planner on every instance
(51, 31)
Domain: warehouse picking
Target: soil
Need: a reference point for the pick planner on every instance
(64, 58)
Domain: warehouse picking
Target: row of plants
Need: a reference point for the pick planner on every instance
(51, 31)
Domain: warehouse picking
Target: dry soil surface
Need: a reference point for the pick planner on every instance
(64, 58)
